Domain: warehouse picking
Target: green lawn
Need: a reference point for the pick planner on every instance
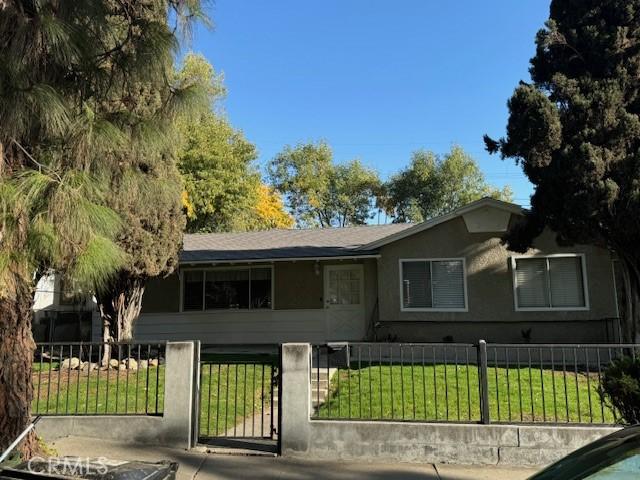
(451, 393)
(97, 392)
(231, 393)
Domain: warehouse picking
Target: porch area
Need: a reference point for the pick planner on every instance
(315, 301)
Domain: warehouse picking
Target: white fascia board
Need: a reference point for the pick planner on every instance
(273, 260)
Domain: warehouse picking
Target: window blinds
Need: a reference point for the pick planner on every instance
(447, 284)
(549, 282)
(565, 275)
(437, 284)
(531, 282)
(416, 284)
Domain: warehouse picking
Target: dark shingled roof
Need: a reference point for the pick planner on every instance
(282, 244)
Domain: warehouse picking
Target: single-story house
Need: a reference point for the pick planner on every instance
(447, 279)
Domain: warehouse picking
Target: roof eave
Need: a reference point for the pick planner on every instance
(277, 259)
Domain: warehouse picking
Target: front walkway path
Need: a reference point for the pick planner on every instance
(202, 466)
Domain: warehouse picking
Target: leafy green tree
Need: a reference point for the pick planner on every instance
(223, 190)
(575, 129)
(321, 193)
(432, 185)
(69, 76)
(216, 164)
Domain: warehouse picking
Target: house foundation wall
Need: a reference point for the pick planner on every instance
(542, 331)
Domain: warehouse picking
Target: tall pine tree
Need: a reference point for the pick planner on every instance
(71, 75)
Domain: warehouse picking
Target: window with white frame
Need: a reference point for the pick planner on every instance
(232, 288)
(546, 283)
(433, 284)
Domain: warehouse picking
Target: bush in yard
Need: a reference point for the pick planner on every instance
(620, 385)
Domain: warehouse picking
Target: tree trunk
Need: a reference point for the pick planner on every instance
(631, 320)
(16, 356)
(119, 308)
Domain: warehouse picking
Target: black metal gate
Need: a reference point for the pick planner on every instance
(239, 393)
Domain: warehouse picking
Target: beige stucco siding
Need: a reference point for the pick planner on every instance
(489, 278)
(296, 286)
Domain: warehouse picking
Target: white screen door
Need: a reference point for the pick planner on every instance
(344, 302)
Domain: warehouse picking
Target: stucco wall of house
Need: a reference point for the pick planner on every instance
(491, 312)
(297, 285)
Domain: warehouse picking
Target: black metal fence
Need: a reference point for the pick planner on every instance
(239, 392)
(453, 382)
(98, 379)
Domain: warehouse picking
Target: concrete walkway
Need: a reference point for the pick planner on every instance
(202, 466)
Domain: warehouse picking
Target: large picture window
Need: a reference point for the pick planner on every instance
(433, 284)
(227, 289)
(550, 283)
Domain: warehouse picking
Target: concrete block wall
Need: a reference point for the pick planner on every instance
(175, 428)
(534, 445)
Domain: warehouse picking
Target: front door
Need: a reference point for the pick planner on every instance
(344, 302)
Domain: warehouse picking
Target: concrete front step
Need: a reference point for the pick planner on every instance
(320, 383)
(322, 393)
(322, 376)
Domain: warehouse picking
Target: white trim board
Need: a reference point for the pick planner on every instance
(218, 263)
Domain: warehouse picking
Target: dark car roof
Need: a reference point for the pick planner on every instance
(593, 457)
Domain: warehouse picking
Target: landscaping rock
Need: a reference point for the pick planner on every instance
(122, 366)
(88, 366)
(143, 364)
(153, 362)
(72, 363)
(131, 363)
(114, 363)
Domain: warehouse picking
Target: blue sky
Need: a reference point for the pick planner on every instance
(376, 79)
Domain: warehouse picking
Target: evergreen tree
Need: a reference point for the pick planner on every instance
(575, 129)
(145, 189)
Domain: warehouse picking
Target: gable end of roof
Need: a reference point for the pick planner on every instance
(458, 212)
